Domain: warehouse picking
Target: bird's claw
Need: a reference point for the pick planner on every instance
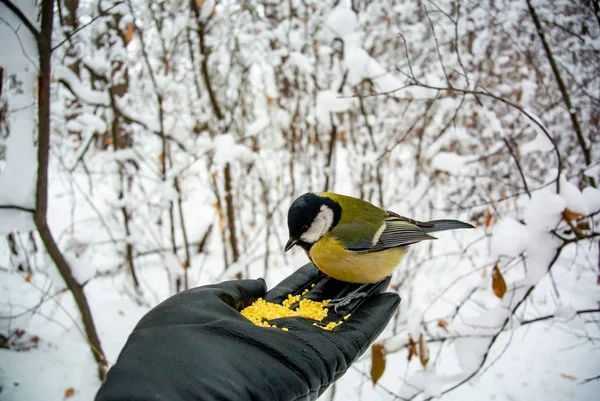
(341, 302)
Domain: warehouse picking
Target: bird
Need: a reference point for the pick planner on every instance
(353, 240)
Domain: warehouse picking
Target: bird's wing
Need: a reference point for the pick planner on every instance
(394, 232)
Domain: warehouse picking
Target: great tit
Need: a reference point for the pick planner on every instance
(352, 240)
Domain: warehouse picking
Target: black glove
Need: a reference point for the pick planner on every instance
(197, 346)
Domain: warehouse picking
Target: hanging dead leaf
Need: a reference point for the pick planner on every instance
(28, 278)
(377, 362)
(70, 392)
(161, 158)
(568, 377)
(423, 351)
(443, 323)
(199, 3)
(572, 216)
(583, 225)
(388, 21)
(489, 218)
(498, 283)
(128, 35)
(412, 348)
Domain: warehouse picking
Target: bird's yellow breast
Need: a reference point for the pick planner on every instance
(337, 262)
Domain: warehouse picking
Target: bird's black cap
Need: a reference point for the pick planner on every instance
(303, 211)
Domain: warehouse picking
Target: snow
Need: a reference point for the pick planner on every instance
(18, 178)
(19, 173)
(98, 62)
(544, 211)
(300, 61)
(509, 238)
(257, 126)
(495, 123)
(574, 199)
(87, 95)
(540, 143)
(342, 21)
(592, 199)
(450, 162)
(227, 150)
(565, 312)
(470, 352)
(362, 66)
(592, 170)
(330, 102)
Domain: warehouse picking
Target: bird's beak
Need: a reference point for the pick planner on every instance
(291, 242)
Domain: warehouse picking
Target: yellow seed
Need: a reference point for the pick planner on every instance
(285, 329)
(347, 316)
(261, 311)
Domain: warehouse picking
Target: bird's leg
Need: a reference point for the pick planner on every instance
(363, 291)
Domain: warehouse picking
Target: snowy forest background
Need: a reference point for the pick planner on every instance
(175, 134)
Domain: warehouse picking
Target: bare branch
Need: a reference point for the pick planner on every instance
(563, 89)
(22, 18)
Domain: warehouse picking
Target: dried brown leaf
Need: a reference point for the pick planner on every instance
(377, 362)
(70, 392)
(28, 278)
(443, 323)
(128, 33)
(498, 283)
(489, 217)
(572, 216)
(583, 225)
(423, 351)
(412, 348)
(568, 377)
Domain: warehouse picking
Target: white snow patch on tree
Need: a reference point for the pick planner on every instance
(342, 21)
(509, 238)
(592, 198)
(330, 102)
(565, 312)
(227, 150)
(575, 201)
(544, 211)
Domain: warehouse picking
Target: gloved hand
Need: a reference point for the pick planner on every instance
(197, 346)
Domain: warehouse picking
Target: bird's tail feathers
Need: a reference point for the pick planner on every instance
(443, 225)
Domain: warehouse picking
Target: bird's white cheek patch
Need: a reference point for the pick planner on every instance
(320, 225)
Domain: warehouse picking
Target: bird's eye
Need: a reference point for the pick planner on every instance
(304, 229)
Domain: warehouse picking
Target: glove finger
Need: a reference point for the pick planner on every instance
(366, 323)
(240, 293)
(294, 284)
